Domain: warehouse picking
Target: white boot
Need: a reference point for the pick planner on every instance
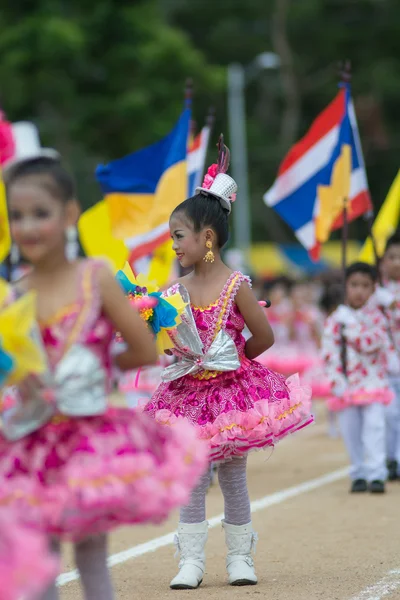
(190, 541)
(241, 540)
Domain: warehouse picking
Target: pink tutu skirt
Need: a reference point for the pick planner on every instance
(360, 398)
(97, 473)
(237, 411)
(26, 566)
(315, 377)
(287, 359)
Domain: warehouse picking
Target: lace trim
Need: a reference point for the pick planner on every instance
(227, 299)
(92, 297)
(205, 308)
(59, 315)
(212, 332)
(90, 305)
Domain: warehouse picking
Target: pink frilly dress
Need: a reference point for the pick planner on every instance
(234, 411)
(97, 466)
(299, 355)
(26, 565)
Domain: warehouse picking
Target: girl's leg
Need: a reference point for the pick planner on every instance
(191, 538)
(239, 534)
(195, 511)
(233, 481)
(52, 591)
(91, 560)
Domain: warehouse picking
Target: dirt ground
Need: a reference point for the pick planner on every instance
(315, 539)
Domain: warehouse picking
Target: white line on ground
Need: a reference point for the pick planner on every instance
(385, 587)
(166, 540)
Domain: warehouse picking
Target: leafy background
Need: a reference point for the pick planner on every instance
(101, 79)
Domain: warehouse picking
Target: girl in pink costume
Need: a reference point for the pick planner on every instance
(236, 404)
(293, 323)
(102, 466)
(26, 565)
(279, 357)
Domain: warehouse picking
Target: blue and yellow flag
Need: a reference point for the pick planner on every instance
(142, 189)
(97, 239)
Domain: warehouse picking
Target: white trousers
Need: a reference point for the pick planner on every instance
(363, 431)
(393, 423)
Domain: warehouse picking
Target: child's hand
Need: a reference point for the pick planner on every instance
(140, 344)
(344, 316)
(29, 387)
(384, 297)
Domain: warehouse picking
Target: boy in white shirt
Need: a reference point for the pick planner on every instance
(356, 348)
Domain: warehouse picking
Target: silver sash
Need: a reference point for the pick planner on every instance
(78, 386)
(221, 356)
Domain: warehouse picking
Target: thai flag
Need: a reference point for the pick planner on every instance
(294, 195)
(196, 159)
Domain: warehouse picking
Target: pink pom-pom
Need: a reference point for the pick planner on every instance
(143, 302)
(209, 177)
(213, 170)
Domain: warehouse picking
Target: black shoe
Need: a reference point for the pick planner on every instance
(358, 485)
(377, 487)
(392, 470)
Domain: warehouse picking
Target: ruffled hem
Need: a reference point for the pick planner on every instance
(26, 565)
(321, 391)
(360, 398)
(128, 483)
(236, 433)
(287, 366)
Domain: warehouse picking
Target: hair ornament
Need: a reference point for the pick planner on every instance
(216, 181)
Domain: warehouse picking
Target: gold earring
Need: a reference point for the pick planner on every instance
(209, 257)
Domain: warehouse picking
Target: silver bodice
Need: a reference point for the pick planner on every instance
(77, 387)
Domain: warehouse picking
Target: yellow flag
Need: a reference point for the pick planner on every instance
(129, 214)
(332, 197)
(97, 239)
(5, 239)
(162, 263)
(385, 223)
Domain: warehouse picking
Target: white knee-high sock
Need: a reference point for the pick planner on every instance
(195, 511)
(91, 560)
(233, 482)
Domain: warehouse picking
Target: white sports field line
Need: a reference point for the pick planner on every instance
(257, 505)
(382, 589)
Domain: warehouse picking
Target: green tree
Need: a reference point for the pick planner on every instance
(100, 79)
(310, 36)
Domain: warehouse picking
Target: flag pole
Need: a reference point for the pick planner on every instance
(188, 94)
(345, 78)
